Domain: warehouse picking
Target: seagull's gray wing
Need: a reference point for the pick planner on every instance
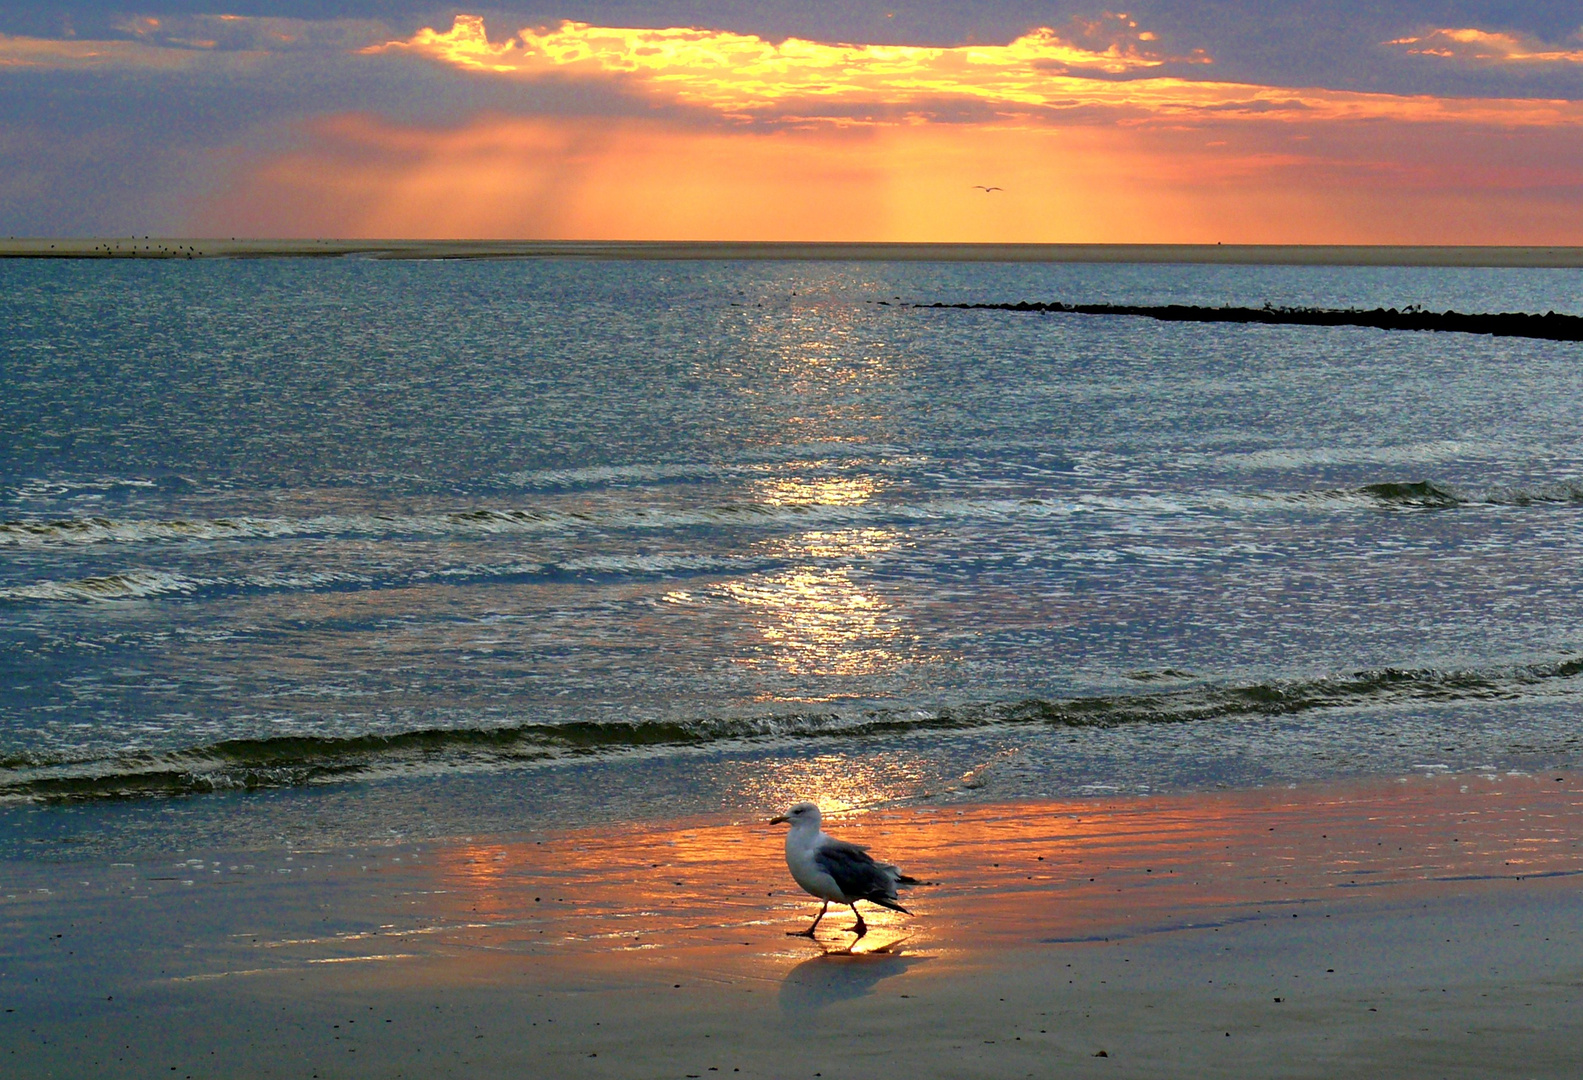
(857, 875)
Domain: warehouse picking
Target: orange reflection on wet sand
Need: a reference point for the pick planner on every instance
(1008, 874)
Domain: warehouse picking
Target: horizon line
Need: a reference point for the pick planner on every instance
(155, 247)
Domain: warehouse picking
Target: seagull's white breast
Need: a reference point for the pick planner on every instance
(801, 844)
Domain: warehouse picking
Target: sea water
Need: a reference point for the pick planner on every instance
(355, 548)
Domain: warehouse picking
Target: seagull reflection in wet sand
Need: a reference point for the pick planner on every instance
(836, 871)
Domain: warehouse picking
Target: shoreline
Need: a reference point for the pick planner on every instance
(1227, 254)
(1422, 925)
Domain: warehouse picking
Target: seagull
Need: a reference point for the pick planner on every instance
(987, 190)
(834, 870)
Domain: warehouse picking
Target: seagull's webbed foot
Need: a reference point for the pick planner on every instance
(860, 927)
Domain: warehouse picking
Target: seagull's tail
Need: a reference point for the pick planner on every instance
(898, 879)
(887, 902)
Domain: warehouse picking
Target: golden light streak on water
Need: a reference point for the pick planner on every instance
(817, 618)
(837, 783)
(823, 491)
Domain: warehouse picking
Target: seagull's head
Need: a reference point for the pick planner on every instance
(804, 815)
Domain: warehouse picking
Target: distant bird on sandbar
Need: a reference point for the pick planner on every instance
(836, 871)
(987, 190)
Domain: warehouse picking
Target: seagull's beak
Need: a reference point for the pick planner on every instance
(779, 820)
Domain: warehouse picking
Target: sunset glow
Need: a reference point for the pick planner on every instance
(1083, 126)
(629, 179)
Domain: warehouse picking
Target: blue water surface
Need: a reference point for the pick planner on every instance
(353, 522)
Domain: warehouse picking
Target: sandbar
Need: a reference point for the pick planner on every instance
(1549, 326)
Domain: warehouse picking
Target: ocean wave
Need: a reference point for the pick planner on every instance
(814, 513)
(127, 585)
(1568, 491)
(294, 760)
(482, 521)
(43, 488)
(101, 530)
(492, 521)
(153, 584)
(867, 458)
(1412, 454)
(489, 521)
(150, 583)
(1431, 495)
(608, 475)
(1419, 493)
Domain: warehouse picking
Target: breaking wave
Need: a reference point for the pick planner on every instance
(1429, 495)
(152, 584)
(130, 585)
(286, 761)
(484, 521)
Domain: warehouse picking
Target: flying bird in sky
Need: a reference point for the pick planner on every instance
(987, 190)
(836, 871)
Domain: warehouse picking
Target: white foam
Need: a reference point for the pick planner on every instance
(128, 585)
(1425, 453)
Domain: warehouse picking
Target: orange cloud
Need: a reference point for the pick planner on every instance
(1485, 47)
(1038, 74)
(734, 72)
(719, 67)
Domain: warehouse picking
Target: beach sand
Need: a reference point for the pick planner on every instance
(1245, 254)
(1424, 926)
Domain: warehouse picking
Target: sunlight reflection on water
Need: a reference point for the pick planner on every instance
(257, 513)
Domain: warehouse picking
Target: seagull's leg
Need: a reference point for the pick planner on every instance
(860, 927)
(809, 932)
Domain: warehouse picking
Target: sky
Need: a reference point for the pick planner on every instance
(1190, 121)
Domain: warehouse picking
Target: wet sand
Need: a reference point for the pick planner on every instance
(1245, 254)
(1423, 927)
